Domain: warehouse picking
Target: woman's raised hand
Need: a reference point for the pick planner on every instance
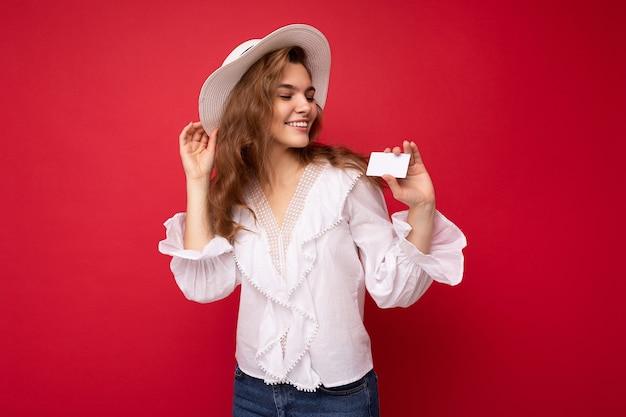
(417, 188)
(417, 192)
(197, 151)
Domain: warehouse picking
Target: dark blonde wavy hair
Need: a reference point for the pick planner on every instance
(244, 139)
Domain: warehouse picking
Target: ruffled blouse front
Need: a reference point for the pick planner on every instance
(303, 284)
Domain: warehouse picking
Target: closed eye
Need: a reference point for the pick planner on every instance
(285, 92)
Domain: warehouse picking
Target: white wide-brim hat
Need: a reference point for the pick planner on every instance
(217, 87)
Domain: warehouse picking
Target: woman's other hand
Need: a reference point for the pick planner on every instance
(417, 188)
(417, 192)
(197, 151)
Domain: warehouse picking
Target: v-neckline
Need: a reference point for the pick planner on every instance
(290, 204)
(279, 236)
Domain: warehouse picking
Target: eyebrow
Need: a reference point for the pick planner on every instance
(293, 87)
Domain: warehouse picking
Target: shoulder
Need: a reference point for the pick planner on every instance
(337, 184)
(334, 176)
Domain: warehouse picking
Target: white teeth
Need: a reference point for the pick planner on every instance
(298, 124)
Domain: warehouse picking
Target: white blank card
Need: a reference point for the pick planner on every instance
(387, 163)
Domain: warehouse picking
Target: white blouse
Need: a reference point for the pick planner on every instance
(303, 284)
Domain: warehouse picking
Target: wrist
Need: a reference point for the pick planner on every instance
(423, 209)
(197, 182)
(421, 218)
(197, 193)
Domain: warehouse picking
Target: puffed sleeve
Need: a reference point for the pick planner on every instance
(396, 272)
(203, 276)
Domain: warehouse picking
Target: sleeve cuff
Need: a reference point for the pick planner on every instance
(173, 244)
(445, 262)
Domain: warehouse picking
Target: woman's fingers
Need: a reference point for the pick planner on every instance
(416, 156)
(182, 138)
(212, 138)
(193, 132)
(209, 143)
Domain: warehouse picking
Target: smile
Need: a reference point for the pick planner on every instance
(297, 124)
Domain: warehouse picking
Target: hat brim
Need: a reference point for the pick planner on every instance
(218, 86)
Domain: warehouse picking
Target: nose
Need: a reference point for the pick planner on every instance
(303, 106)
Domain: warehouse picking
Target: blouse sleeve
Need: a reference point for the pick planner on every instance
(203, 276)
(396, 272)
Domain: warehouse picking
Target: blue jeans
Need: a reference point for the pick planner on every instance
(254, 398)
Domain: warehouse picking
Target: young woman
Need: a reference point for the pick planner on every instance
(301, 228)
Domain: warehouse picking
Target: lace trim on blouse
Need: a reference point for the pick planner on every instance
(280, 237)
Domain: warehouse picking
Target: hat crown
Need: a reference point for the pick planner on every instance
(240, 50)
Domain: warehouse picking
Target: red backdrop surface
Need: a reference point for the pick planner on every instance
(518, 109)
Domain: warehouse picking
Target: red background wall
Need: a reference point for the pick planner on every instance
(518, 108)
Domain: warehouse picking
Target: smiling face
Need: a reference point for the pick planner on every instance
(294, 109)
